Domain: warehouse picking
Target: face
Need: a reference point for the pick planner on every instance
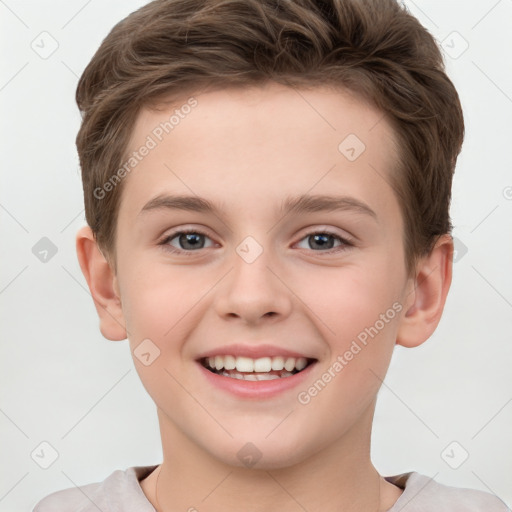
(260, 277)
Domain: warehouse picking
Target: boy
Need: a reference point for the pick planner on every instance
(267, 187)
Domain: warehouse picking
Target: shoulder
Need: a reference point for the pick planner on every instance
(67, 500)
(423, 494)
(120, 491)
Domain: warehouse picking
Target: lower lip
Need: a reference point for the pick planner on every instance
(258, 388)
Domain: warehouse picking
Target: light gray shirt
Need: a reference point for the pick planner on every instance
(121, 492)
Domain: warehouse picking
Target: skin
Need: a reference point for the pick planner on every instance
(248, 149)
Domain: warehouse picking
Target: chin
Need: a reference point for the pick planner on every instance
(262, 454)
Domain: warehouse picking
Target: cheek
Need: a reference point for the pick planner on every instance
(360, 353)
(368, 314)
(147, 305)
(144, 312)
(347, 300)
(162, 303)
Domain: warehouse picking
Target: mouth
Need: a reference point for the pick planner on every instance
(261, 369)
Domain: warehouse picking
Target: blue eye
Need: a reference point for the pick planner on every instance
(325, 240)
(188, 241)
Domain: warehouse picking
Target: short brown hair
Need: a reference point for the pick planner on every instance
(375, 48)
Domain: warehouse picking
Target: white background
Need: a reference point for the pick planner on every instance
(64, 384)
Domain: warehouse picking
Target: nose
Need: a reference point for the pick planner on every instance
(254, 291)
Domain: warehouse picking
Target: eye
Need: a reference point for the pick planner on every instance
(326, 240)
(186, 240)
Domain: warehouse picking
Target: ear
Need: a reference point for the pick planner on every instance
(102, 284)
(426, 295)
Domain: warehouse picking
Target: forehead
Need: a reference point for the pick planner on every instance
(268, 141)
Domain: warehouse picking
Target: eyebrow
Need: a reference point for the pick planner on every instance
(295, 204)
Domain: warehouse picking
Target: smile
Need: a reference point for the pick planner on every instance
(263, 368)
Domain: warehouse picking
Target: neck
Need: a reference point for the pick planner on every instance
(339, 478)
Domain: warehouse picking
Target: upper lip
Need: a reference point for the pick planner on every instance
(252, 351)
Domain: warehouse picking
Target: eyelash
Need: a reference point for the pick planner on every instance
(165, 242)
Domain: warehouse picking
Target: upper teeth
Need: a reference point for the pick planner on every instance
(263, 364)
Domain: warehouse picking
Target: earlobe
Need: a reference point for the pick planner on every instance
(427, 294)
(102, 284)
